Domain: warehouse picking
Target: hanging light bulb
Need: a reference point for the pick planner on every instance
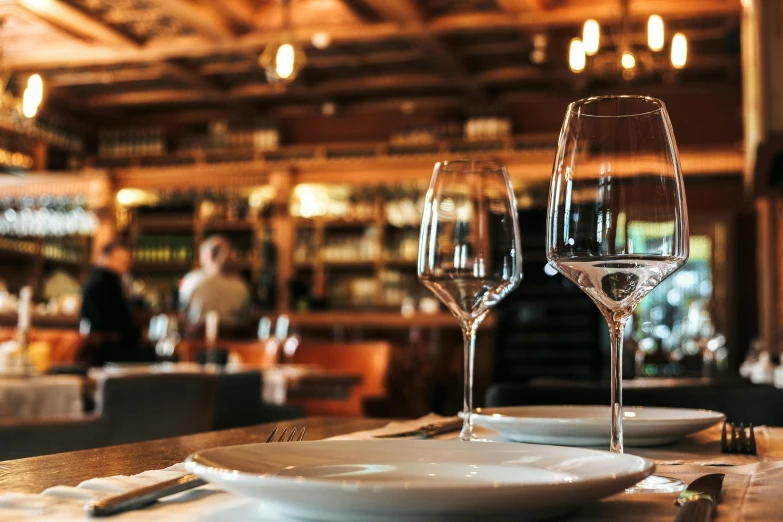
(655, 33)
(627, 60)
(576, 56)
(679, 51)
(33, 96)
(591, 37)
(283, 61)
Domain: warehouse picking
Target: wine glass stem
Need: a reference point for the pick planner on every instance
(616, 330)
(469, 336)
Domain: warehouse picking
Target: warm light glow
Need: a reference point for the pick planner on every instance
(284, 61)
(628, 61)
(132, 197)
(33, 96)
(38, 4)
(655, 35)
(576, 56)
(679, 50)
(321, 40)
(591, 37)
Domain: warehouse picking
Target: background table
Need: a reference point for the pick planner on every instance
(39, 397)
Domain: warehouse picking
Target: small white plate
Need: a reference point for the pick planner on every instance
(417, 480)
(590, 425)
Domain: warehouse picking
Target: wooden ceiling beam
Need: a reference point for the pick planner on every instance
(41, 59)
(77, 23)
(406, 14)
(240, 12)
(81, 78)
(527, 5)
(201, 17)
(513, 75)
(319, 62)
(192, 47)
(158, 96)
(575, 14)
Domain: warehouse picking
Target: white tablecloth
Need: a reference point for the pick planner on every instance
(39, 397)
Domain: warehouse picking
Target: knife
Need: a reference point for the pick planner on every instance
(698, 501)
(430, 430)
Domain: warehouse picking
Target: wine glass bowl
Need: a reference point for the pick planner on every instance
(617, 222)
(469, 249)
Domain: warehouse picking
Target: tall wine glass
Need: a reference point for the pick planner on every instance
(469, 251)
(617, 219)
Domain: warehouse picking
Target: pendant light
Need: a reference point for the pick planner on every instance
(283, 60)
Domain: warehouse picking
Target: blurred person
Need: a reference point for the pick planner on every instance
(114, 335)
(211, 288)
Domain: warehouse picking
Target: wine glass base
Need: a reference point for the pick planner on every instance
(657, 484)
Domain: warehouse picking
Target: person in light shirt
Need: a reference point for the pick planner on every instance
(211, 288)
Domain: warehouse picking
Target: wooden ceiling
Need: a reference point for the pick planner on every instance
(107, 60)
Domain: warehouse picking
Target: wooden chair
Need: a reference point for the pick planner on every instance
(371, 360)
(154, 406)
(251, 353)
(31, 438)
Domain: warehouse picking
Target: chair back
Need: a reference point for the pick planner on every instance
(370, 360)
(31, 438)
(141, 407)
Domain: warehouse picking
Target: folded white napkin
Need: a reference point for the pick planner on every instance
(204, 504)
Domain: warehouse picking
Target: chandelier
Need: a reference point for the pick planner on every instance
(585, 53)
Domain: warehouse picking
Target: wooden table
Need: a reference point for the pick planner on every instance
(751, 489)
(35, 474)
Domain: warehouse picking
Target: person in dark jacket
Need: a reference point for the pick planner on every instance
(113, 335)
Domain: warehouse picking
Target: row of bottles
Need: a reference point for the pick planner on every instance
(396, 286)
(163, 249)
(64, 249)
(351, 247)
(131, 143)
(351, 292)
(56, 136)
(264, 136)
(20, 246)
(487, 128)
(224, 206)
(15, 152)
(403, 246)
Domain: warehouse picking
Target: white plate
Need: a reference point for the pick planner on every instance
(590, 425)
(417, 480)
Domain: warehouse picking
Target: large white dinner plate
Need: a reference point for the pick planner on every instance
(417, 480)
(590, 425)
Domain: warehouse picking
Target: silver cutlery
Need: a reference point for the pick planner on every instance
(698, 500)
(430, 430)
(740, 441)
(147, 495)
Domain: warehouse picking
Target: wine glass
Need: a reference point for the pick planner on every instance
(617, 219)
(469, 251)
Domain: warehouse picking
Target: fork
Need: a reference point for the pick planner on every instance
(147, 495)
(740, 442)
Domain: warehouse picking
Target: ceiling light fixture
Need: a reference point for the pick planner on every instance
(655, 34)
(282, 61)
(591, 37)
(679, 51)
(576, 56)
(626, 58)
